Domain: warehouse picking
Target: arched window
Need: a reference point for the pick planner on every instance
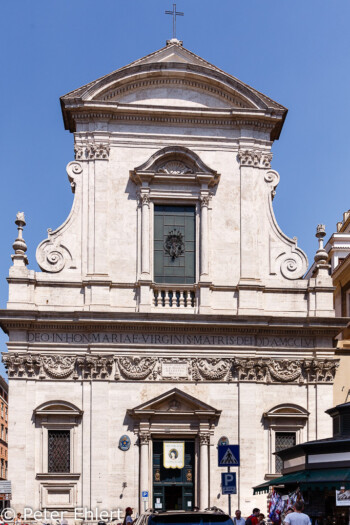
(285, 424)
(57, 420)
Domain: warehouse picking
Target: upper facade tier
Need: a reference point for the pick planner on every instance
(172, 210)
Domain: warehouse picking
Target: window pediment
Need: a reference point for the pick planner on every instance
(175, 165)
(174, 403)
(57, 408)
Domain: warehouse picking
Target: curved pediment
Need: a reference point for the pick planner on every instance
(176, 164)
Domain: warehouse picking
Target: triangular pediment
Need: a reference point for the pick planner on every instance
(172, 402)
(177, 81)
(174, 53)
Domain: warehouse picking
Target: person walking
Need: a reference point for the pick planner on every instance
(297, 517)
(253, 518)
(238, 520)
(127, 518)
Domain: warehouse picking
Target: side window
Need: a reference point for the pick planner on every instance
(283, 440)
(174, 244)
(58, 450)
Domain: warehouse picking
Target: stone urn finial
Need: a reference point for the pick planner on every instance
(321, 254)
(19, 245)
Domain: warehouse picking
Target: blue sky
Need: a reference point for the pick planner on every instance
(295, 51)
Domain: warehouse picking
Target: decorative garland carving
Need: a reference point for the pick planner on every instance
(58, 366)
(137, 368)
(214, 369)
(284, 370)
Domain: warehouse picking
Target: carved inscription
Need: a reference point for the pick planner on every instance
(122, 338)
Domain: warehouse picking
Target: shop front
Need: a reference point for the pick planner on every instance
(316, 472)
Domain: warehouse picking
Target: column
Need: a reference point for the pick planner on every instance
(204, 440)
(144, 457)
(204, 251)
(145, 237)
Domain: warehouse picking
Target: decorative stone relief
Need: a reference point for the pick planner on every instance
(175, 167)
(249, 157)
(92, 151)
(212, 369)
(98, 367)
(58, 366)
(272, 178)
(137, 368)
(255, 158)
(174, 245)
(52, 256)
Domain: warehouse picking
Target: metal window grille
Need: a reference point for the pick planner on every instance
(283, 440)
(59, 451)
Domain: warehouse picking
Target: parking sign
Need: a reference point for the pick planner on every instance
(228, 483)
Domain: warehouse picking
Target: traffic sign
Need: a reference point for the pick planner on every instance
(144, 495)
(228, 456)
(228, 483)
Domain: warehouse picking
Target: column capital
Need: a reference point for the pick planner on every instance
(204, 439)
(205, 200)
(144, 438)
(144, 198)
(254, 158)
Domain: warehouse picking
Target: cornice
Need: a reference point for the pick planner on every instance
(164, 115)
(160, 323)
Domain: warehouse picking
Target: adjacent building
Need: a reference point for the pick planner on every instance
(338, 257)
(170, 310)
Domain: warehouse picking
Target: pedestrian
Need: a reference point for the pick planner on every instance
(18, 519)
(127, 518)
(238, 520)
(253, 518)
(261, 518)
(297, 517)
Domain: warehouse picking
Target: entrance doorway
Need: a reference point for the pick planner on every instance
(173, 488)
(173, 498)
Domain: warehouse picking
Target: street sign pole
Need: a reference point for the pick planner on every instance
(229, 497)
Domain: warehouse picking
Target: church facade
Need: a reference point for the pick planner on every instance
(170, 310)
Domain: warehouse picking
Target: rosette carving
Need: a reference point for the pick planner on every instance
(214, 369)
(136, 367)
(58, 366)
